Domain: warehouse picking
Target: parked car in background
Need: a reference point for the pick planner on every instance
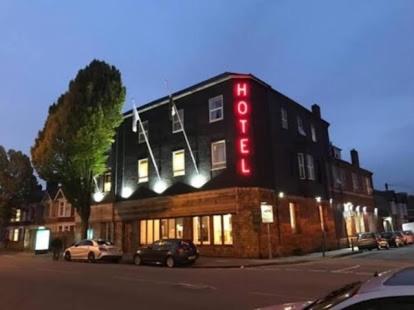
(382, 242)
(394, 239)
(367, 241)
(409, 235)
(390, 290)
(169, 252)
(92, 251)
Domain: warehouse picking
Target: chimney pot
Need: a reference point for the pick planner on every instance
(316, 110)
(355, 158)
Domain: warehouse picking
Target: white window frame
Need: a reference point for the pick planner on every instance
(211, 109)
(178, 172)
(218, 165)
(175, 122)
(143, 179)
(313, 133)
(310, 167)
(301, 128)
(284, 118)
(141, 137)
(301, 166)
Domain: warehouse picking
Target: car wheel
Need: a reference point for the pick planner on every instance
(67, 256)
(91, 257)
(137, 260)
(170, 262)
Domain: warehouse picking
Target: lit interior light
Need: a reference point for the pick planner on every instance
(98, 196)
(376, 211)
(198, 180)
(126, 192)
(364, 209)
(281, 194)
(160, 186)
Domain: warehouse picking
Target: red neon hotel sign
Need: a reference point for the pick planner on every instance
(242, 111)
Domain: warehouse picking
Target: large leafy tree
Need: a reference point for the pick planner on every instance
(72, 148)
(17, 183)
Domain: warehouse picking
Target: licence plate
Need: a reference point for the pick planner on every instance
(191, 257)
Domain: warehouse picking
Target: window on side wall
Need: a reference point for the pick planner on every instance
(301, 166)
(218, 155)
(16, 234)
(141, 136)
(301, 128)
(107, 182)
(143, 170)
(293, 212)
(355, 183)
(313, 132)
(284, 118)
(215, 107)
(178, 163)
(176, 125)
(310, 167)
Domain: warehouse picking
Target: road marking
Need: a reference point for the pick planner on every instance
(317, 270)
(346, 270)
(196, 286)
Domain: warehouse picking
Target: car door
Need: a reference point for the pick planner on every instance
(75, 250)
(153, 251)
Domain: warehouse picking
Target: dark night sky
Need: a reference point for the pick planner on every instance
(354, 58)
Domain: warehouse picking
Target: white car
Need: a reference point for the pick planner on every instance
(92, 251)
(387, 291)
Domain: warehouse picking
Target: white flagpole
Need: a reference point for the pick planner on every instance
(175, 111)
(137, 118)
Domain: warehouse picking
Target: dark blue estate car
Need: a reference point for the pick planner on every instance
(169, 252)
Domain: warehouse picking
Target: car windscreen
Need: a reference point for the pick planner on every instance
(335, 297)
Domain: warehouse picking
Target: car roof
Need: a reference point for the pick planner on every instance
(401, 280)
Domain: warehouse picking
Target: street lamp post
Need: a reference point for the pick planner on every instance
(320, 209)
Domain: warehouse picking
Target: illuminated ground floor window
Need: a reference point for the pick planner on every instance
(221, 233)
(153, 230)
(203, 230)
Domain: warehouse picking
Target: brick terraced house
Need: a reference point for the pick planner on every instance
(244, 144)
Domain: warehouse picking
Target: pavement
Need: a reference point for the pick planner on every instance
(37, 282)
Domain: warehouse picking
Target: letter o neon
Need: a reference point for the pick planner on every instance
(242, 107)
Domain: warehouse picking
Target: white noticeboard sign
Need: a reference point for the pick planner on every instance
(267, 212)
(42, 239)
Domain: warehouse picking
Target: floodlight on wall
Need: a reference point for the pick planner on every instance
(160, 186)
(318, 199)
(126, 192)
(281, 195)
(98, 196)
(198, 180)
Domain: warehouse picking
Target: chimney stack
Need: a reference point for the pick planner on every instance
(316, 110)
(386, 186)
(355, 158)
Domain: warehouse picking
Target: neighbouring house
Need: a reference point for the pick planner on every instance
(392, 207)
(26, 218)
(58, 214)
(352, 196)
